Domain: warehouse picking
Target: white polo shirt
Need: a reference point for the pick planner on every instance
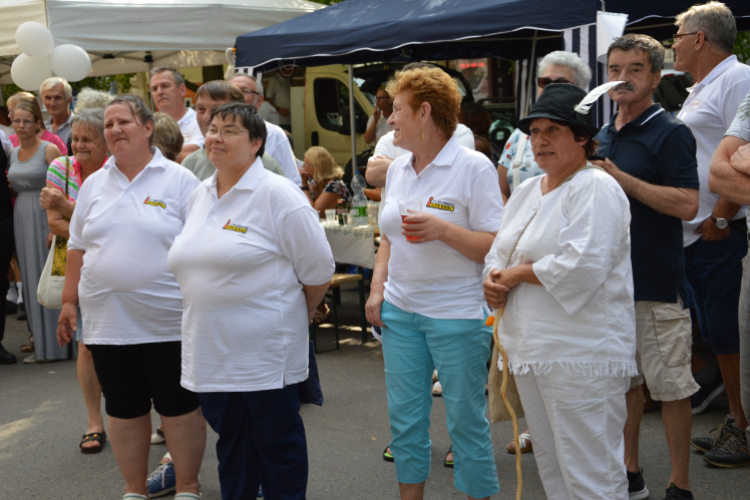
(461, 187)
(269, 113)
(241, 261)
(709, 111)
(278, 146)
(385, 146)
(126, 293)
(381, 128)
(190, 129)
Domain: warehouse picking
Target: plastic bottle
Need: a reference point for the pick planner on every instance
(359, 200)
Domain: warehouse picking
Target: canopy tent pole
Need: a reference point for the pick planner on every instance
(532, 65)
(351, 120)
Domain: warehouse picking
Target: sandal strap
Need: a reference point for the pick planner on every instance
(187, 496)
(135, 496)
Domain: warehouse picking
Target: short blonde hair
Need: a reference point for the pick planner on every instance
(27, 97)
(54, 81)
(435, 87)
(91, 99)
(324, 166)
(167, 136)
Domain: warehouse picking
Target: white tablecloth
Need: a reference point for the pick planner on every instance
(352, 244)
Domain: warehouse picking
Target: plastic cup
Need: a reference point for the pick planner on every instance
(407, 207)
(347, 219)
(331, 216)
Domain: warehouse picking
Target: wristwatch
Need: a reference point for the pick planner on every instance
(720, 222)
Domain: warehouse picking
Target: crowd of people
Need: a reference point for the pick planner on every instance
(593, 247)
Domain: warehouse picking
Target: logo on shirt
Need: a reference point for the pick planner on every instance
(235, 227)
(693, 105)
(440, 205)
(154, 203)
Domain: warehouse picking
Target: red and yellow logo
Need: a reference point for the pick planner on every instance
(155, 203)
(440, 205)
(235, 227)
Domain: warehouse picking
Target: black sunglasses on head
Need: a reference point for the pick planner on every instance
(544, 81)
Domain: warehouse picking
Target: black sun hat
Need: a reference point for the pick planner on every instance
(558, 103)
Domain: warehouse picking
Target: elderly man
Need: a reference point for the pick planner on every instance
(652, 155)
(56, 97)
(377, 125)
(716, 240)
(168, 91)
(279, 95)
(277, 143)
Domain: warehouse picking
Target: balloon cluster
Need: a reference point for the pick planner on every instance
(40, 58)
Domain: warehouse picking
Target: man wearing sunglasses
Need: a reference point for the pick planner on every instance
(716, 239)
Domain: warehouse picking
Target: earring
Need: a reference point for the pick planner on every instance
(423, 134)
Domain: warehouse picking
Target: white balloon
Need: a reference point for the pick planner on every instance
(29, 72)
(34, 39)
(70, 62)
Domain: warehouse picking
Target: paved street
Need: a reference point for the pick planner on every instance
(42, 417)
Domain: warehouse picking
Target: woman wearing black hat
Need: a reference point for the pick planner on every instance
(560, 265)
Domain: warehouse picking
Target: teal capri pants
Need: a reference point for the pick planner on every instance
(460, 348)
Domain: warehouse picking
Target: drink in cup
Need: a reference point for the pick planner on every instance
(407, 207)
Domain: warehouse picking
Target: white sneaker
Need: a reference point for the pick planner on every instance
(437, 390)
(157, 437)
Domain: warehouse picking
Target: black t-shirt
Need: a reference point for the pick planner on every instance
(659, 149)
(6, 207)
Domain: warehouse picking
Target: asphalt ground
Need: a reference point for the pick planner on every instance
(42, 417)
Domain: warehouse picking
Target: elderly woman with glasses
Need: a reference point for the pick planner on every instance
(253, 263)
(560, 266)
(514, 166)
(126, 217)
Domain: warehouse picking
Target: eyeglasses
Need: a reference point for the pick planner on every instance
(544, 81)
(226, 133)
(677, 36)
(247, 91)
(382, 98)
(25, 123)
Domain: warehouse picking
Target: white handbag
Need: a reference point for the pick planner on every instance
(49, 291)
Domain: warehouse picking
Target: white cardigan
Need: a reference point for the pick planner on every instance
(582, 318)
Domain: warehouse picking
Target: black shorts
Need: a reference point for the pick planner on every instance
(132, 376)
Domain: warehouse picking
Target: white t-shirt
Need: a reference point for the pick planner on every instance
(432, 279)
(278, 146)
(740, 127)
(582, 316)
(709, 111)
(126, 293)
(381, 128)
(190, 129)
(278, 90)
(269, 113)
(240, 262)
(385, 146)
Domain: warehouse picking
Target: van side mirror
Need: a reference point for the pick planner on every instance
(360, 122)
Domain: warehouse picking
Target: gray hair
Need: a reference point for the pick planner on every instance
(141, 113)
(640, 43)
(716, 22)
(258, 82)
(54, 81)
(581, 70)
(178, 79)
(91, 119)
(91, 99)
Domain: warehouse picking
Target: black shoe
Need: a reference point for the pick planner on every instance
(387, 455)
(718, 436)
(10, 307)
(675, 493)
(733, 452)
(21, 312)
(6, 358)
(637, 486)
(711, 386)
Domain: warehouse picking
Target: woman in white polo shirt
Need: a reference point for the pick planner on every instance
(426, 290)
(126, 217)
(253, 263)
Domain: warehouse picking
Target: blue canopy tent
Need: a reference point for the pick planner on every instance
(362, 31)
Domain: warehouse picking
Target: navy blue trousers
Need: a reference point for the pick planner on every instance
(261, 439)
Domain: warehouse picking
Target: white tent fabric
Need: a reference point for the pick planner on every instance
(117, 33)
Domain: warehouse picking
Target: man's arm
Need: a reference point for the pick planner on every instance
(725, 180)
(186, 150)
(377, 170)
(677, 202)
(372, 127)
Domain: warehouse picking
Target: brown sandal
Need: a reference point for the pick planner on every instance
(100, 437)
(28, 347)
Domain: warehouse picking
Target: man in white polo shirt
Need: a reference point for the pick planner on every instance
(277, 143)
(716, 239)
(168, 91)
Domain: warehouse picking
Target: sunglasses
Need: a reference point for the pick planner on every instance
(544, 81)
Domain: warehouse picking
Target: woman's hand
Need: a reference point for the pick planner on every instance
(67, 324)
(372, 309)
(53, 199)
(49, 239)
(420, 228)
(495, 291)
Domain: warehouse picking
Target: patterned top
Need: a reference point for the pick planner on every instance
(529, 168)
(337, 186)
(56, 175)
